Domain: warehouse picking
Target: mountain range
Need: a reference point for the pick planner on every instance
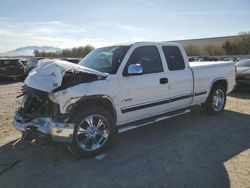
(28, 50)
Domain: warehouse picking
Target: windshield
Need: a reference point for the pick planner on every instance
(243, 63)
(107, 59)
(24, 62)
(32, 62)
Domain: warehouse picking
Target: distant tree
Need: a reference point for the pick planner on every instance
(79, 52)
(193, 50)
(36, 52)
(87, 49)
(243, 43)
(239, 46)
(213, 50)
(228, 47)
(209, 49)
(66, 53)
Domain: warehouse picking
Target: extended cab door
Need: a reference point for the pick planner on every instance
(147, 94)
(180, 77)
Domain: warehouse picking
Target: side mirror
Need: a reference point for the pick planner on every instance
(135, 69)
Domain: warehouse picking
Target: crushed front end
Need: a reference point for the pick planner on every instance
(38, 113)
(48, 97)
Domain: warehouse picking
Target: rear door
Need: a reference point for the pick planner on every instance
(179, 76)
(147, 94)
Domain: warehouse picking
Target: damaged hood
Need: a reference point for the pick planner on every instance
(50, 72)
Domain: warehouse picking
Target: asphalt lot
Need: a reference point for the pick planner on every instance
(193, 150)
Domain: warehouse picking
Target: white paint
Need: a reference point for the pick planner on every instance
(142, 89)
(49, 73)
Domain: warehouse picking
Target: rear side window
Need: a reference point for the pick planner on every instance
(148, 57)
(7, 63)
(174, 58)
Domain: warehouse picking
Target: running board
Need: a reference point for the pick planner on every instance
(137, 124)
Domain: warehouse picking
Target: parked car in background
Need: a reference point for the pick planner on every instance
(195, 58)
(12, 68)
(24, 61)
(243, 73)
(72, 60)
(32, 63)
(210, 58)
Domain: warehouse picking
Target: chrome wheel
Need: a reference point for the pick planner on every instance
(92, 132)
(218, 100)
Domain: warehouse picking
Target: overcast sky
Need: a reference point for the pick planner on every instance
(69, 23)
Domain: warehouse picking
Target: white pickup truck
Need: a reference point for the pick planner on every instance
(118, 88)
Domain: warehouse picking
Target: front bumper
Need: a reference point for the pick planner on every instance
(59, 131)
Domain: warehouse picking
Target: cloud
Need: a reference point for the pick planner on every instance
(55, 33)
(124, 32)
(3, 18)
(147, 2)
(64, 35)
(6, 32)
(194, 13)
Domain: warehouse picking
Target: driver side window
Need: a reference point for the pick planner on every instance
(148, 57)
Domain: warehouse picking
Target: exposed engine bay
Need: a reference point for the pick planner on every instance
(73, 77)
(37, 104)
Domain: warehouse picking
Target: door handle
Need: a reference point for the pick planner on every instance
(163, 80)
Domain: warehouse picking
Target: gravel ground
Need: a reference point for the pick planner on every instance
(193, 150)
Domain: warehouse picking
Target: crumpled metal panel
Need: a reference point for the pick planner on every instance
(49, 74)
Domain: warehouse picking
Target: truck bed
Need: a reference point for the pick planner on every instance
(197, 64)
(205, 73)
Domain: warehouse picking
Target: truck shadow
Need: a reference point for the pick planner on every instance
(242, 93)
(187, 151)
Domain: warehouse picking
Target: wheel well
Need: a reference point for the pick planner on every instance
(99, 101)
(220, 82)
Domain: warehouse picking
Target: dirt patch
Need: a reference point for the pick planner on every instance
(9, 103)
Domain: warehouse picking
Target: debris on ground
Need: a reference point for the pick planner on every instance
(100, 157)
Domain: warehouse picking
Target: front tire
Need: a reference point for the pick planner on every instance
(94, 131)
(216, 100)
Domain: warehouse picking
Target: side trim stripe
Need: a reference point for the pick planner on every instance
(144, 106)
(174, 99)
(200, 93)
(180, 98)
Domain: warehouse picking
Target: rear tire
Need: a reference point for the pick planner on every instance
(216, 100)
(94, 131)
